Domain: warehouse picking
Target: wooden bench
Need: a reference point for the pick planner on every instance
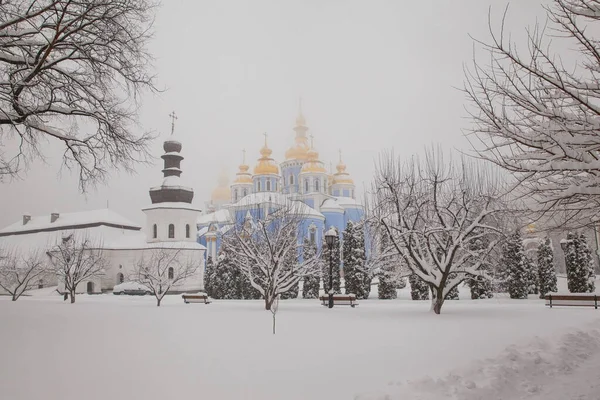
(340, 300)
(196, 298)
(572, 299)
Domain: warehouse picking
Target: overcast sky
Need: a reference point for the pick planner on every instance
(373, 75)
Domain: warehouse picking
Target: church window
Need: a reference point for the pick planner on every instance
(171, 231)
(258, 186)
(170, 272)
(235, 195)
(245, 192)
(313, 235)
(317, 186)
(306, 186)
(155, 231)
(187, 231)
(275, 185)
(268, 186)
(291, 179)
(120, 278)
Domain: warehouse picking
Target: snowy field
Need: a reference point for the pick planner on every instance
(118, 347)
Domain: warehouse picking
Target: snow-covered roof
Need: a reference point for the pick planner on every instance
(220, 216)
(70, 220)
(296, 207)
(348, 202)
(174, 205)
(331, 205)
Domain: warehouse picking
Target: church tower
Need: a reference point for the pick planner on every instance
(295, 156)
(171, 217)
(266, 173)
(313, 179)
(242, 185)
(342, 185)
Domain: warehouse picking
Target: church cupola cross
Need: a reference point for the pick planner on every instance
(173, 118)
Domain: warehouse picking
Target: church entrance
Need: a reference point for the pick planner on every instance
(90, 287)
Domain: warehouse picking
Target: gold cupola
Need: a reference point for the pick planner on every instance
(299, 151)
(313, 164)
(222, 193)
(266, 165)
(243, 176)
(341, 176)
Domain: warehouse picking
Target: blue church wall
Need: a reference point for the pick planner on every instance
(309, 202)
(346, 193)
(334, 219)
(293, 170)
(353, 214)
(274, 182)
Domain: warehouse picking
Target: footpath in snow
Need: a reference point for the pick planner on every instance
(561, 367)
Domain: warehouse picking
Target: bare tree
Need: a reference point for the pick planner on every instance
(76, 260)
(265, 246)
(536, 112)
(163, 269)
(432, 211)
(69, 70)
(19, 272)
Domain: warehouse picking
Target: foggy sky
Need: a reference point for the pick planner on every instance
(373, 75)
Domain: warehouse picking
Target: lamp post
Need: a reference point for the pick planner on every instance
(330, 237)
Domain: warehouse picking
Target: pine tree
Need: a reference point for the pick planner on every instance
(419, 290)
(335, 261)
(532, 276)
(580, 264)
(481, 286)
(310, 288)
(387, 272)
(546, 269)
(208, 271)
(226, 277)
(513, 256)
(356, 280)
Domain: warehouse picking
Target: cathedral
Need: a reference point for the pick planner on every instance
(324, 199)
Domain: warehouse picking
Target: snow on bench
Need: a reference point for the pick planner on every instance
(572, 299)
(196, 298)
(340, 300)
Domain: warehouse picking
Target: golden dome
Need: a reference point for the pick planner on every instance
(266, 165)
(243, 176)
(341, 176)
(300, 149)
(313, 164)
(221, 193)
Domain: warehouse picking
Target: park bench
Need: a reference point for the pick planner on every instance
(196, 298)
(340, 300)
(572, 299)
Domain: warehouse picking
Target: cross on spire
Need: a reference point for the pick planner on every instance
(312, 144)
(265, 135)
(243, 156)
(173, 118)
(340, 151)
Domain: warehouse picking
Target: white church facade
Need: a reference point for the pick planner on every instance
(170, 225)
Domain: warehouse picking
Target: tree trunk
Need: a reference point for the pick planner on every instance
(437, 300)
(158, 300)
(14, 297)
(268, 302)
(72, 294)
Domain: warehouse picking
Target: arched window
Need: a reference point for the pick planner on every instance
(258, 186)
(275, 185)
(245, 192)
(268, 186)
(291, 179)
(317, 186)
(313, 235)
(187, 231)
(120, 278)
(154, 231)
(306, 186)
(170, 272)
(235, 195)
(171, 231)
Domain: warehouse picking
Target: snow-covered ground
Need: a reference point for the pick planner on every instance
(119, 347)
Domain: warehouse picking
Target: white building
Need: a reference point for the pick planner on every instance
(170, 224)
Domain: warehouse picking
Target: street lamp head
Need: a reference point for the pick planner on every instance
(563, 244)
(330, 236)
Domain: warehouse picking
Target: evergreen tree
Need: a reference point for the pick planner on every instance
(226, 277)
(481, 286)
(387, 272)
(546, 269)
(513, 256)
(310, 288)
(532, 276)
(335, 261)
(580, 265)
(419, 290)
(208, 271)
(356, 280)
